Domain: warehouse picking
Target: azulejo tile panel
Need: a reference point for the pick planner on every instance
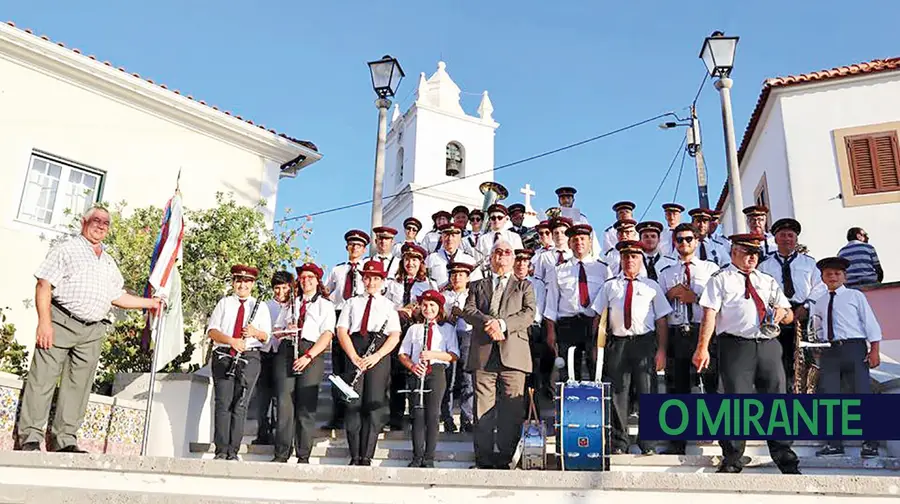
(125, 431)
(9, 408)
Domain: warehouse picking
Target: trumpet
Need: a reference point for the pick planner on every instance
(768, 326)
(681, 310)
(493, 192)
(553, 212)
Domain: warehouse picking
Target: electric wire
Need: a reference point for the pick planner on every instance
(681, 169)
(666, 176)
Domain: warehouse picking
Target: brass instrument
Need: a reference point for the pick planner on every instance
(553, 212)
(806, 355)
(493, 192)
(681, 310)
(768, 326)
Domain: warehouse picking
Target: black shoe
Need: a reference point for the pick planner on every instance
(830, 451)
(221, 456)
(868, 451)
(467, 427)
(729, 469)
(30, 446)
(450, 425)
(280, 460)
(261, 441)
(354, 462)
(793, 469)
(428, 464)
(71, 449)
(303, 461)
(415, 463)
(365, 462)
(232, 456)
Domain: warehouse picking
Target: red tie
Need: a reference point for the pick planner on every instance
(750, 291)
(583, 296)
(348, 282)
(238, 324)
(302, 315)
(629, 292)
(364, 326)
(428, 338)
(559, 258)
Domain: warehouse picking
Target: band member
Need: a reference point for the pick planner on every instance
(500, 308)
(461, 383)
(545, 238)
(360, 320)
(800, 280)
(673, 213)
(626, 230)
(344, 283)
(709, 249)
(427, 351)
(683, 282)
(566, 198)
(297, 379)
(735, 302)
(476, 219)
(756, 224)
(572, 287)
(715, 230)
(517, 217)
(843, 317)
(499, 230)
(281, 314)
(432, 240)
(411, 227)
(238, 330)
(461, 220)
(624, 211)
(558, 253)
(654, 259)
(436, 263)
(76, 284)
(384, 246)
(636, 349)
(403, 290)
(541, 357)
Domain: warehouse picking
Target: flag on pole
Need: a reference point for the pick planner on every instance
(165, 283)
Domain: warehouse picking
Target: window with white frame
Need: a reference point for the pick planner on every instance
(55, 191)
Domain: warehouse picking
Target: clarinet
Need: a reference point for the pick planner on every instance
(373, 347)
(295, 338)
(236, 357)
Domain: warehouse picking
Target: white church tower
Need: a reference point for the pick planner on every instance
(436, 142)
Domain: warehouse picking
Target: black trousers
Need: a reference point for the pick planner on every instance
(627, 360)
(426, 413)
(398, 400)
(232, 395)
(265, 395)
(747, 366)
(365, 417)
(577, 332)
(788, 340)
(541, 376)
(681, 375)
(845, 362)
(297, 399)
(338, 368)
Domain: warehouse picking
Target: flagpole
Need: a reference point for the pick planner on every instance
(155, 337)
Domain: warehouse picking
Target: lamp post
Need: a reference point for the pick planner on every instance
(694, 148)
(718, 55)
(386, 77)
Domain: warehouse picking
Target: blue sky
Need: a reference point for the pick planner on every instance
(557, 72)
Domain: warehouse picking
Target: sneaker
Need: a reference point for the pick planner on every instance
(868, 451)
(830, 451)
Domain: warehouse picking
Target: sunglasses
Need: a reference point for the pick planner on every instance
(684, 239)
(475, 219)
(544, 233)
(497, 217)
(412, 228)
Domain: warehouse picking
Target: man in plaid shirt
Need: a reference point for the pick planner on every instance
(76, 284)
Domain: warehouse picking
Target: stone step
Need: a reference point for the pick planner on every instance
(342, 451)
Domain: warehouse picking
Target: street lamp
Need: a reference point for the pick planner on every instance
(386, 77)
(694, 149)
(718, 56)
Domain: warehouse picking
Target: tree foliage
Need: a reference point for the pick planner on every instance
(13, 356)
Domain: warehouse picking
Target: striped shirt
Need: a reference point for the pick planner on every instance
(863, 261)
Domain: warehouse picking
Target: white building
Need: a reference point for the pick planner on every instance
(436, 142)
(76, 130)
(823, 148)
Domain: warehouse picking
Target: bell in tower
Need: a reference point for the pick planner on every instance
(454, 160)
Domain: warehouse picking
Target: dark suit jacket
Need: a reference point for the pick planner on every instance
(517, 307)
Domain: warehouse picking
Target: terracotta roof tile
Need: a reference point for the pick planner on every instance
(866, 67)
(304, 143)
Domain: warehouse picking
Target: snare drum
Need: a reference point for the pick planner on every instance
(583, 431)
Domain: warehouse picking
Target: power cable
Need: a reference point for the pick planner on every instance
(702, 83)
(681, 169)
(666, 176)
(495, 169)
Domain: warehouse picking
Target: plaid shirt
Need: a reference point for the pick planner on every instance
(83, 284)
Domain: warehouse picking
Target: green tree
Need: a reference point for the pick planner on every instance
(13, 356)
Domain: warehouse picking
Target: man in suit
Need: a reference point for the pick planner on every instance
(500, 308)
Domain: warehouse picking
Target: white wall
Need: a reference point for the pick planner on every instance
(140, 153)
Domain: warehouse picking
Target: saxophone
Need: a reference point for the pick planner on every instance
(806, 369)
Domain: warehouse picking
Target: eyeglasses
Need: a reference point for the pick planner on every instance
(99, 221)
(503, 252)
(497, 217)
(683, 239)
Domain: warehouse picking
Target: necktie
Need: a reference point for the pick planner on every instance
(438, 245)
(407, 290)
(496, 237)
(428, 338)
(559, 257)
(348, 282)
(302, 316)
(629, 293)
(583, 296)
(702, 250)
(364, 326)
(687, 283)
(750, 291)
(651, 267)
(831, 315)
(495, 297)
(786, 277)
(238, 324)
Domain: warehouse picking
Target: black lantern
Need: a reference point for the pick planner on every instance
(718, 54)
(386, 76)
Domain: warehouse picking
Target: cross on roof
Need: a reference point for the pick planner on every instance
(528, 192)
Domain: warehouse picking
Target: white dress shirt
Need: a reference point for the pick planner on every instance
(667, 243)
(661, 261)
(805, 275)
(443, 339)
(320, 317)
(437, 262)
(281, 315)
(431, 242)
(225, 313)
(852, 316)
(486, 241)
(737, 315)
(648, 304)
(335, 283)
(674, 274)
(548, 260)
(394, 290)
(540, 298)
(562, 288)
(381, 311)
(391, 263)
(716, 251)
(613, 260)
(610, 238)
(453, 299)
